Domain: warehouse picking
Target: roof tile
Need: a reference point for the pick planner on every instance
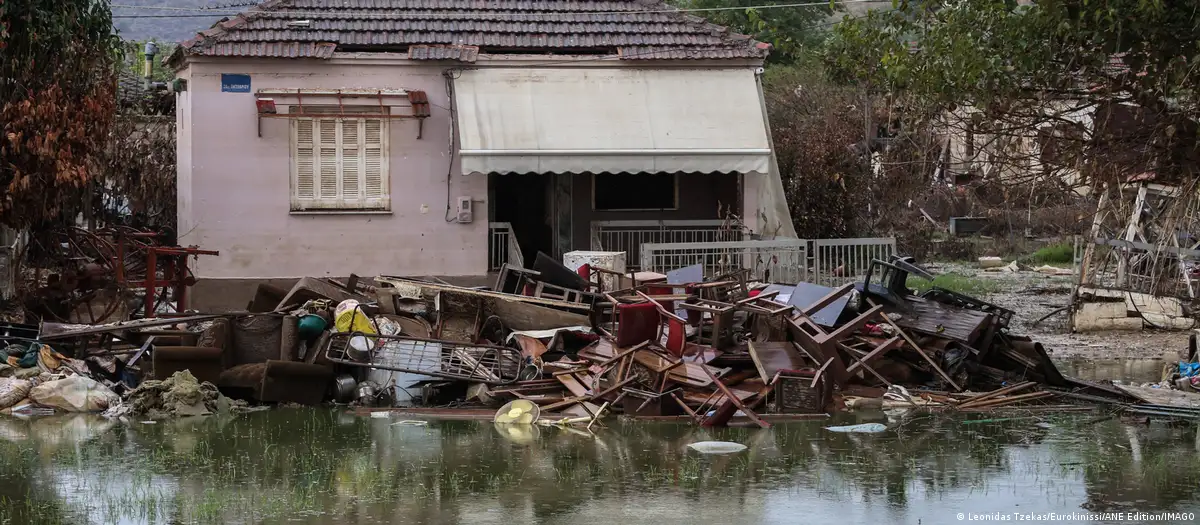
(458, 29)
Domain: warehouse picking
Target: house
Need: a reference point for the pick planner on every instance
(432, 137)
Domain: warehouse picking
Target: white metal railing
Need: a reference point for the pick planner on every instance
(836, 262)
(629, 236)
(828, 262)
(503, 246)
(780, 260)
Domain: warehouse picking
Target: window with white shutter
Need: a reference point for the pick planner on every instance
(339, 163)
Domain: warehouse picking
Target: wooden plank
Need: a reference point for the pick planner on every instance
(918, 349)
(864, 364)
(699, 398)
(520, 316)
(829, 299)
(429, 288)
(623, 353)
(598, 351)
(573, 385)
(732, 399)
(613, 388)
(845, 330)
(691, 413)
(769, 358)
(885, 347)
(996, 393)
(948, 322)
(1005, 401)
(563, 404)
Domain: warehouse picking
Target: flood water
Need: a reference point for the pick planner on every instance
(1127, 369)
(325, 467)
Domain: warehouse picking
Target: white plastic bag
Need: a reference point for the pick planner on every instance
(74, 394)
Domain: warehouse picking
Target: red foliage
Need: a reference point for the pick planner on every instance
(48, 143)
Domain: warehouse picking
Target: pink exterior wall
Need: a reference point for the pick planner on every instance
(234, 187)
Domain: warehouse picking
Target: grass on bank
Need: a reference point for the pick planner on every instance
(955, 282)
(1062, 253)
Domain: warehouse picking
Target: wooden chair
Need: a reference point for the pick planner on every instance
(595, 277)
(719, 320)
(515, 279)
(674, 327)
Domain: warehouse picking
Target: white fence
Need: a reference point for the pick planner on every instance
(503, 246)
(629, 236)
(828, 262)
(839, 261)
(776, 261)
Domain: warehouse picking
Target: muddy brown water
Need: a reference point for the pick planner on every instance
(326, 467)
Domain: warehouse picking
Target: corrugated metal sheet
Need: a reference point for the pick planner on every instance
(638, 29)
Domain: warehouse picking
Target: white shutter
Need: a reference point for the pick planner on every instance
(328, 151)
(304, 181)
(339, 163)
(373, 156)
(351, 161)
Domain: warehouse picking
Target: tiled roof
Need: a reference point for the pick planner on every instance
(461, 29)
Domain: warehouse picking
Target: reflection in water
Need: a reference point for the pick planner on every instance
(1128, 370)
(323, 467)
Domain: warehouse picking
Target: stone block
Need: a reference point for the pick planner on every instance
(1153, 304)
(1170, 322)
(1123, 324)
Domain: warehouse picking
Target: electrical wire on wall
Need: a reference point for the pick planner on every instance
(451, 75)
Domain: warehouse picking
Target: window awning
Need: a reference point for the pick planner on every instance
(599, 120)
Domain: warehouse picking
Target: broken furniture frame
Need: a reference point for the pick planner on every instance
(595, 277)
(721, 406)
(523, 281)
(822, 345)
(802, 391)
(719, 318)
(763, 304)
(893, 278)
(431, 357)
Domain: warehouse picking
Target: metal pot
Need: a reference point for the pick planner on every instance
(359, 348)
(367, 393)
(343, 388)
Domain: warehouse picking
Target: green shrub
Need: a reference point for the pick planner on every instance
(1062, 253)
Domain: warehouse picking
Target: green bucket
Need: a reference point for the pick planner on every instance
(311, 326)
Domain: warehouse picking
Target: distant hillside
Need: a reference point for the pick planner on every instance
(181, 22)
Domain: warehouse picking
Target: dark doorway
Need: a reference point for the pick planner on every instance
(522, 201)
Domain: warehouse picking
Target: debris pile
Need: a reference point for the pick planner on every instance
(179, 395)
(562, 346)
(717, 350)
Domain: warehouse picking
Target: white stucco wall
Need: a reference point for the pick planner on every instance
(234, 187)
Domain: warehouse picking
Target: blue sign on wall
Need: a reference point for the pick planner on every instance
(232, 83)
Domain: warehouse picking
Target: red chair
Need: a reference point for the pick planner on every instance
(675, 327)
(634, 321)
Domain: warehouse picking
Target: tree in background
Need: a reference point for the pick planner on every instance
(817, 130)
(57, 104)
(793, 31)
(1131, 66)
(134, 58)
